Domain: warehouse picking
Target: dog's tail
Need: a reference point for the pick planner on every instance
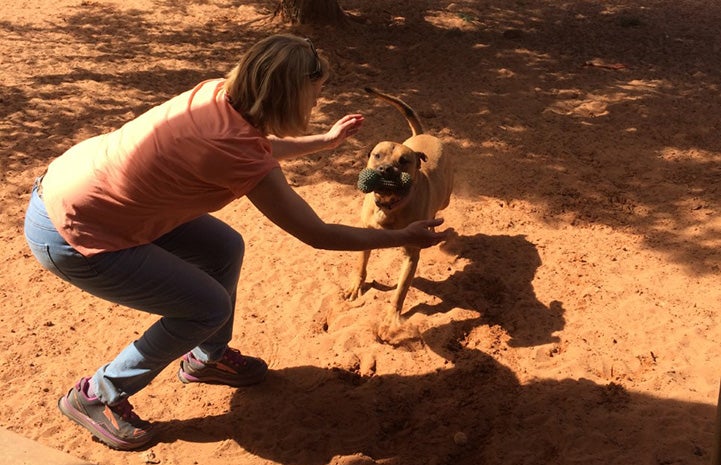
(411, 117)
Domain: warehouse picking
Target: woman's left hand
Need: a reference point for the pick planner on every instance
(344, 128)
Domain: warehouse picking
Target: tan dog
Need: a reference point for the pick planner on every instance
(404, 183)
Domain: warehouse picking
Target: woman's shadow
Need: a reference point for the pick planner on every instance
(497, 282)
(473, 411)
(476, 411)
(308, 415)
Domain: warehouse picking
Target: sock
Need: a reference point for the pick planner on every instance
(89, 391)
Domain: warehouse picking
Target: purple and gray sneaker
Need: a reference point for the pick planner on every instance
(115, 425)
(233, 369)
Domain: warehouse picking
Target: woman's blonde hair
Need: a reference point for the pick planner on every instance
(271, 87)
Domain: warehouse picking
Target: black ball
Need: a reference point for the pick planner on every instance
(368, 180)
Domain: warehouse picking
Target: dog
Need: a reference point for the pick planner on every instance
(403, 182)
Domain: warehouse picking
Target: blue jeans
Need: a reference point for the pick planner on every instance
(188, 276)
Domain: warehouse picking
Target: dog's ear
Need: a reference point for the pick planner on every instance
(421, 157)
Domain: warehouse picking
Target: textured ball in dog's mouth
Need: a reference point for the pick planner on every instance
(370, 180)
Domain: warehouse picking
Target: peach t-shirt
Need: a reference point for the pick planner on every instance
(189, 156)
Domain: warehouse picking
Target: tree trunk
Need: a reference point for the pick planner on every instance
(314, 12)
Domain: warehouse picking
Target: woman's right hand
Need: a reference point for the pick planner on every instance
(422, 233)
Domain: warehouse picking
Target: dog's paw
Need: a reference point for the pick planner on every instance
(398, 332)
(352, 293)
(390, 328)
(393, 320)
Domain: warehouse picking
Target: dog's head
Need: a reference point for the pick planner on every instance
(390, 172)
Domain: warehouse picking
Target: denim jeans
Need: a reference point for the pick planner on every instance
(188, 276)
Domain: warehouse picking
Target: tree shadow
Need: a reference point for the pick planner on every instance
(497, 282)
(308, 414)
(121, 65)
(584, 144)
(537, 112)
(131, 62)
(474, 412)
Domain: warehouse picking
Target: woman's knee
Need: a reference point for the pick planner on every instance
(234, 245)
(216, 312)
(226, 241)
(225, 261)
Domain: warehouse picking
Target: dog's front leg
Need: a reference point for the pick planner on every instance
(408, 271)
(356, 285)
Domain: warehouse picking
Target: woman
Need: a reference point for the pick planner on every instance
(125, 217)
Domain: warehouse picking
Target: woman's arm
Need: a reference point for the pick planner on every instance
(291, 147)
(284, 207)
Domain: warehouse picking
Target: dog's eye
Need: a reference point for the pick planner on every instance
(377, 156)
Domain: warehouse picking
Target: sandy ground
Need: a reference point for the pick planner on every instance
(574, 319)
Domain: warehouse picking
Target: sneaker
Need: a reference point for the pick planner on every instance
(234, 369)
(117, 425)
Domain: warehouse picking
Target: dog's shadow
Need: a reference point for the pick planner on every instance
(497, 282)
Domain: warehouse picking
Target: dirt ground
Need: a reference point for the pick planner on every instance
(574, 318)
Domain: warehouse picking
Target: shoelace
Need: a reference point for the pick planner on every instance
(125, 410)
(234, 357)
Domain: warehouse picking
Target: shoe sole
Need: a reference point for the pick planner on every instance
(186, 378)
(96, 429)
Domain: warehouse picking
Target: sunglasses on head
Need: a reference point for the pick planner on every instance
(318, 71)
